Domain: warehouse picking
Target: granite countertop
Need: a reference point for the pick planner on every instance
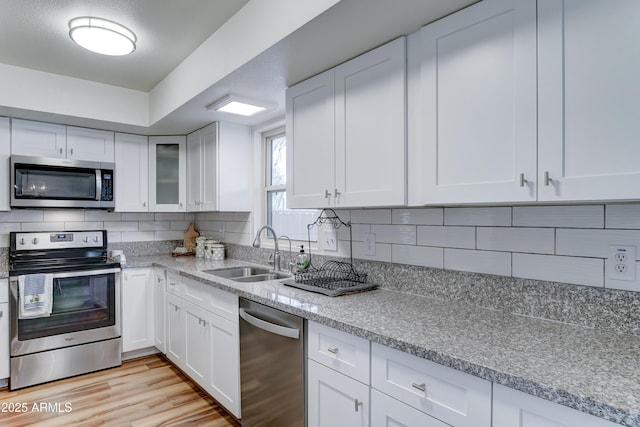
(593, 371)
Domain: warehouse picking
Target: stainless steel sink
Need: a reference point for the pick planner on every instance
(246, 274)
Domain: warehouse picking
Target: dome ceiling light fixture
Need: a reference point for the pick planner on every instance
(102, 36)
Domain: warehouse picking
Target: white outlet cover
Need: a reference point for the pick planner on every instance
(370, 244)
(330, 240)
(615, 268)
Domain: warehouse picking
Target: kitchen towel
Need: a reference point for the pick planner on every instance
(36, 295)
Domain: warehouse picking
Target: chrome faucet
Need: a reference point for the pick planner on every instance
(276, 251)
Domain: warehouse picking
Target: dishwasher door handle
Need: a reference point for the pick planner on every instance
(270, 327)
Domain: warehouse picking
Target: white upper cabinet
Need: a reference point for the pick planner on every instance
(167, 173)
(38, 139)
(589, 127)
(132, 173)
(30, 138)
(346, 133)
(219, 168)
(5, 153)
(90, 144)
(476, 113)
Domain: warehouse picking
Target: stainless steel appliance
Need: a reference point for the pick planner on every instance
(82, 333)
(61, 183)
(271, 367)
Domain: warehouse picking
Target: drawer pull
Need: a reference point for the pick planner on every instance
(333, 350)
(421, 387)
(357, 404)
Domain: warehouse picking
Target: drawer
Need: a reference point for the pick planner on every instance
(447, 394)
(339, 350)
(195, 292)
(387, 411)
(4, 290)
(175, 285)
(222, 303)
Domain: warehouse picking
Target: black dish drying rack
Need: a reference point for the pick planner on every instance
(333, 278)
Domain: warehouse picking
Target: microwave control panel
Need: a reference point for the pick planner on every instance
(107, 186)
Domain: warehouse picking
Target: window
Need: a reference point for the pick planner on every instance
(289, 222)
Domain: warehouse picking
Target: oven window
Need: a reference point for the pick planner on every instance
(79, 303)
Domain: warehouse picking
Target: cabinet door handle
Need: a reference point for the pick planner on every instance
(336, 193)
(523, 181)
(333, 350)
(144, 204)
(60, 150)
(1, 314)
(547, 179)
(176, 308)
(71, 151)
(357, 404)
(421, 387)
(327, 194)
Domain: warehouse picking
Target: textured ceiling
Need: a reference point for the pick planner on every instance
(34, 34)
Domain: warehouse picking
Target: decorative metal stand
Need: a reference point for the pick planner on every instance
(333, 278)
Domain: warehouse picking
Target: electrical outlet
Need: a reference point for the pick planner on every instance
(621, 262)
(330, 240)
(370, 244)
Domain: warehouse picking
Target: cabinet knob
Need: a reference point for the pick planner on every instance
(421, 387)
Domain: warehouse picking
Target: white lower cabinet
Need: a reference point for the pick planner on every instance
(159, 302)
(389, 412)
(512, 408)
(137, 309)
(205, 345)
(4, 328)
(335, 399)
(449, 395)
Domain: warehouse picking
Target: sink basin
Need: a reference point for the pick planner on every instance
(261, 277)
(246, 274)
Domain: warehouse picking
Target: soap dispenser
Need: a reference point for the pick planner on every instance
(302, 260)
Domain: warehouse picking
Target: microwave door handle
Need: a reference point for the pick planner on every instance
(98, 184)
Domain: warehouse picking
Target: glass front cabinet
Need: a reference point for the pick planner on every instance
(167, 173)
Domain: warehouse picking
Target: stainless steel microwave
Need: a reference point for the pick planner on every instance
(38, 182)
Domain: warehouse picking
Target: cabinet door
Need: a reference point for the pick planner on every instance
(224, 363)
(194, 170)
(137, 309)
(159, 288)
(477, 136)
(132, 173)
(175, 330)
(588, 100)
(310, 142)
(38, 139)
(90, 144)
(335, 399)
(234, 168)
(210, 163)
(370, 103)
(389, 412)
(5, 153)
(167, 173)
(512, 408)
(4, 337)
(196, 340)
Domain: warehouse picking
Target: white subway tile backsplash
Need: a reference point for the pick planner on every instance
(487, 262)
(401, 234)
(7, 227)
(154, 225)
(500, 216)
(83, 225)
(137, 236)
(512, 239)
(622, 216)
(63, 215)
(447, 237)
(168, 235)
(418, 255)
(371, 216)
(580, 271)
(102, 215)
(173, 216)
(42, 226)
(22, 215)
(426, 216)
(383, 252)
(137, 216)
(590, 216)
(593, 243)
(121, 225)
(180, 225)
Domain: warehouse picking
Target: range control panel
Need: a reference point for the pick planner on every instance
(59, 240)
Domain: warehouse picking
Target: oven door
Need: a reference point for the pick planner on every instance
(86, 308)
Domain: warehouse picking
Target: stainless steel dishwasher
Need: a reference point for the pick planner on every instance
(271, 367)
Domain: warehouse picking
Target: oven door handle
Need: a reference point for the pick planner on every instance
(86, 273)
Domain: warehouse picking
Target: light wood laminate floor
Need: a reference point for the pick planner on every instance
(142, 392)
